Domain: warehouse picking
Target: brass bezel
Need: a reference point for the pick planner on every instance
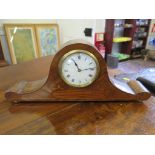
(73, 52)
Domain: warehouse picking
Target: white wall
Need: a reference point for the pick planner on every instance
(74, 28)
(69, 29)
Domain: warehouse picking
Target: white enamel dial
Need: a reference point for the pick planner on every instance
(79, 68)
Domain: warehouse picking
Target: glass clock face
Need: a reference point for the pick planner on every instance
(79, 68)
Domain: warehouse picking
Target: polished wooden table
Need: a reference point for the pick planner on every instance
(69, 117)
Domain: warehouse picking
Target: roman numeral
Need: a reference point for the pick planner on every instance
(90, 75)
(91, 69)
(68, 75)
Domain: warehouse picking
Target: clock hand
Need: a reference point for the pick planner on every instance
(88, 68)
(79, 70)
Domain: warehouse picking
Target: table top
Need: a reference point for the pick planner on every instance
(69, 117)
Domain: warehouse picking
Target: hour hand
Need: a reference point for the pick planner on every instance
(88, 69)
(79, 70)
(75, 63)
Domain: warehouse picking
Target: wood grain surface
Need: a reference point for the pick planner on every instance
(55, 89)
(69, 117)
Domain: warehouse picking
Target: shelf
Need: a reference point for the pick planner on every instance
(123, 25)
(125, 28)
(121, 39)
(122, 56)
(125, 59)
(138, 47)
(142, 25)
(128, 26)
(141, 37)
(136, 56)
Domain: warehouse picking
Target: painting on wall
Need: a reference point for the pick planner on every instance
(22, 42)
(47, 38)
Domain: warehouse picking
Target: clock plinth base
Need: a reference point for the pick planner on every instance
(55, 89)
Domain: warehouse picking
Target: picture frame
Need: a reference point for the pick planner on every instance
(2, 56)
(21, 41)
(48, 39)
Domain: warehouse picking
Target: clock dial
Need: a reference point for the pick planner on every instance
(79, 68)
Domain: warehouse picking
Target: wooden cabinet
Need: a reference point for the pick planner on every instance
(121, 35)
(141, 32)
(119, 28)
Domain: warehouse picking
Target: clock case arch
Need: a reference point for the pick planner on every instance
(55, 89)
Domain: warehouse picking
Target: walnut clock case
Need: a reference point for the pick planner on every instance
(77, 73)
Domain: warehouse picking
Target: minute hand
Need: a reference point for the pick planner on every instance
(88, 69)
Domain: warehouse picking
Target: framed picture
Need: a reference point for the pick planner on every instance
(22, 42)
(1, 50)
(47, 38)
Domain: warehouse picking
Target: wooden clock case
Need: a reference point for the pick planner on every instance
(55, 89)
